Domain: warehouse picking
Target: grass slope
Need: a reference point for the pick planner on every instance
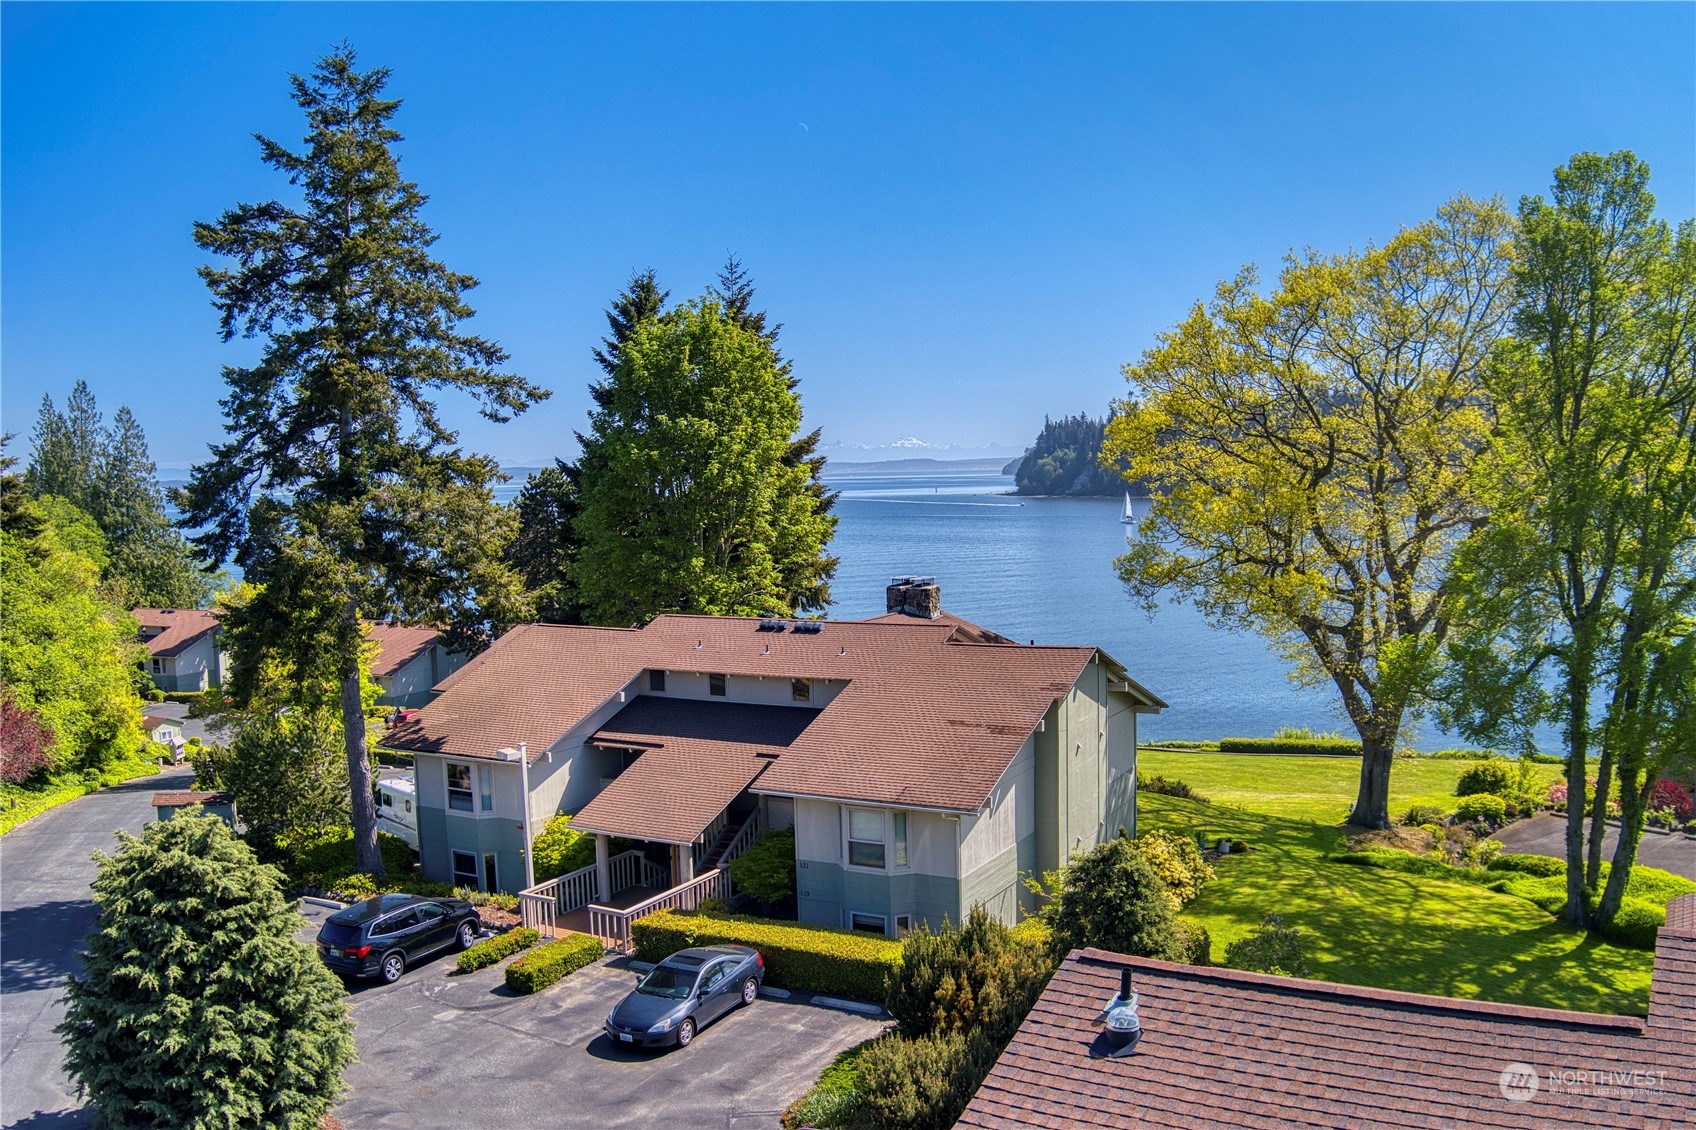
(1309, 788)
(1392, 930)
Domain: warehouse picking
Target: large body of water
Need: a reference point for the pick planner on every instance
(1042, 569)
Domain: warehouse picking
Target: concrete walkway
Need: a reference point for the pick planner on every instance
(1545, 834)
(45, 912)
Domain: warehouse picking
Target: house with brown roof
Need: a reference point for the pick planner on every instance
(182, 648)
(409, 663)
(1221, 1047)
(924, 762)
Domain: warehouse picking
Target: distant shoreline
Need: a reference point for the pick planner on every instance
(896, 466)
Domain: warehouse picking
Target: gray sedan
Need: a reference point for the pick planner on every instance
(684, 993)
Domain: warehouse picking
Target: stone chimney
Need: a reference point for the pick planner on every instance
(914, 596)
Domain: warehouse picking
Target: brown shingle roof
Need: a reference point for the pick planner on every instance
(964, 630)
(1226, 1048)
(922, 721)
(697, 757)
(1672, 993)
(183, 800)
(399, 646)
(180, 628)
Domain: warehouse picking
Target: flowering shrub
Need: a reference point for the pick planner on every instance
(1670, 794)
(1557, 796)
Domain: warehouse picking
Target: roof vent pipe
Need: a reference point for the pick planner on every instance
(1124, 1029)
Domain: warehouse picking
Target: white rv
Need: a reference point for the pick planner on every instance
(397, 808)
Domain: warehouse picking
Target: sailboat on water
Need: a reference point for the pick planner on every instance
(1129, 517)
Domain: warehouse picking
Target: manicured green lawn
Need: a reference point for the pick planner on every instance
(1310, 788)
(1392, 930)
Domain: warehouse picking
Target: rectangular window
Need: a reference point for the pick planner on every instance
(408, 804)
(459, 791)
(464, 869)
(158, 666)
(800, 690)
(869, 923)
(715, 685)
(490, 877)
(900, 839)
(485, 788)
(386, 800)
(656, 680)
(865, 839)
(903, 925)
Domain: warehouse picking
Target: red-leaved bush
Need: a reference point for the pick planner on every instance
(1670, 794)
(26, 745)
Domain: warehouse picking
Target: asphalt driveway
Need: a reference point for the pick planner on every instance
(449, 1051)
(1545, 834)
(45, 912)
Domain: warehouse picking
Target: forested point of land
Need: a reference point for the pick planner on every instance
(1066, 460)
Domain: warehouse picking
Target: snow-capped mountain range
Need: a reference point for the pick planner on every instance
(908, 447)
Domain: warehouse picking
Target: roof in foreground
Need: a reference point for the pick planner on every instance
(182, 627)
(921, 722)
(1222, 1047)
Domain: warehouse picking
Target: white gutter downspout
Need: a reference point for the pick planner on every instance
(523, 760)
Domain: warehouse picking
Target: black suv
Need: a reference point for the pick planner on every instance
(380, 937)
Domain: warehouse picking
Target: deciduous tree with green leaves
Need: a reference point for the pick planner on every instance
(1311, 451)
(339, 489)
(690, 500)
(67, 655)
(1580, 596)
(196, 1007)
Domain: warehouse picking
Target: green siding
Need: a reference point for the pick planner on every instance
(994, 886)
(827, 893)
(441, 833)
(1049, 855)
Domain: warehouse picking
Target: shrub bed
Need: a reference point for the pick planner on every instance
(1165, 786)
(1331, 747)
(797, 957)
(544, 965)
(484, 954)
(1539, 865)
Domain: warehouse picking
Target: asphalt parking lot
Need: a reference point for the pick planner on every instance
(449, 1051)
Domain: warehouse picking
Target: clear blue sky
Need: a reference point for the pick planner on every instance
(966, 217)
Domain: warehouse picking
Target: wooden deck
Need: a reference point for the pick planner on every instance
(577, 921)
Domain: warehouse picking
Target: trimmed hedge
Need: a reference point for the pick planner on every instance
(1540, 865)
(1635, 924)
(544, 965)
(797, 957)
(1332, 747)
(1481, 806)
(484, 954)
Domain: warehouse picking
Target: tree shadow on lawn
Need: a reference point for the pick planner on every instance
(1398, 931)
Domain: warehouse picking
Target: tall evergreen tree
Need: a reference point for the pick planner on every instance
(688, 500)
(339, 490)
(641, 301)
(196, 1007)
(546, 509)
(107, 473)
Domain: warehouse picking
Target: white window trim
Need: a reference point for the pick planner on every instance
(849, 916)
(890, 867)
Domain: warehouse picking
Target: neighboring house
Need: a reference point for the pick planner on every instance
(165, 731)
(182, 648)
(924, 762)
(1220, 1047)
(409, 663)
(222, 805)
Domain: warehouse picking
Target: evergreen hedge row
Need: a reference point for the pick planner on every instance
(797, 957)
(544, 965)
(484, 954)
(1335, 747)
